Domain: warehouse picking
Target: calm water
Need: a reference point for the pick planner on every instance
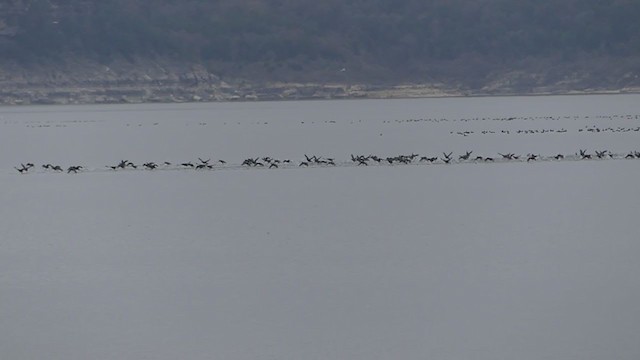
(512, 261)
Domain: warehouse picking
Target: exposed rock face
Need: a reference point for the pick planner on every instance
(122, 82)
(83, 82)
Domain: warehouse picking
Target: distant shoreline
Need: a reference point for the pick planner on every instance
(83, 95)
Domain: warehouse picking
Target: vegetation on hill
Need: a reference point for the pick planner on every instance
(380, 40)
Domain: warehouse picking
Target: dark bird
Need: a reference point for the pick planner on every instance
(584, 155)
(23, 169)
(601, 154)
(465, 156)
(74, 169)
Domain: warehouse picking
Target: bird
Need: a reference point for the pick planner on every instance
(584, 155)
(23, 169)
(465, 156)
(601, 154)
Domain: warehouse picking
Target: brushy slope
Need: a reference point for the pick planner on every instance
(466, 41)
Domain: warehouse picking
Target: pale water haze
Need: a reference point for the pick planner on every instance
(473, 260)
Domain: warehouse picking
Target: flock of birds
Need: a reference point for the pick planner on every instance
(518, 118)
(275, 163)
(587, 129)
(24, 168)
(448, 158)
(319, 161)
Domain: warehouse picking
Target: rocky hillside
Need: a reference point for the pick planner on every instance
(168, 50)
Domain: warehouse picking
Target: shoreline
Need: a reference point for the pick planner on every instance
(51, 95)
(81, 81)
